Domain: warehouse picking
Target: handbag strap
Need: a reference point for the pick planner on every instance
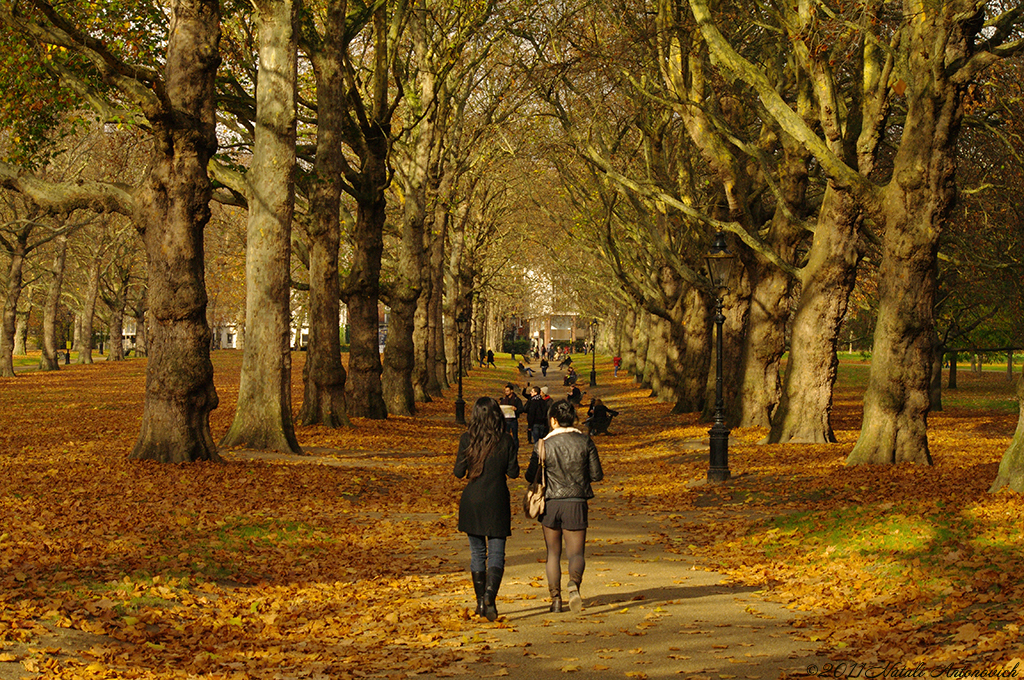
(542, 455)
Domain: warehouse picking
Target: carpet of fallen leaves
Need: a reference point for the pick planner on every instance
(264, 569)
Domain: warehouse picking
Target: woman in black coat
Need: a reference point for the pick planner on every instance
(487, 455)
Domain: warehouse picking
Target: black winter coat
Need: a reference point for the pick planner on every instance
(572, 463)
(485, 508)
(537, 411)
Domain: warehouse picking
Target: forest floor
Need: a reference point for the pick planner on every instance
(347, 563)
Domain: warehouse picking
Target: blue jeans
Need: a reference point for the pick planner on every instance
(486, 552)
(537, 432)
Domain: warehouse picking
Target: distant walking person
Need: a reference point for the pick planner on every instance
(571, 464)
(486, 457)
(490, 358)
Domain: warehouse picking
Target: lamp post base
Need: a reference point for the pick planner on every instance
(460, 411)
(593, 378)
(718, 469)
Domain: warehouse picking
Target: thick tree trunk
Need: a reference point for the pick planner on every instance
(424, 359)
(437, 375)
(691, 338)
(953, 358)
(141, 328)
(116, 352)
(642, 336)
(324, 400)
(896, 403)
(263, 418)
(913, 207)
(173, 209)
(92, 293)
(1011, 469)
(628, 341)
(365, 392)
(10, 317)
(49, 360)
(805, 410)
(662, 361)
(21, 333)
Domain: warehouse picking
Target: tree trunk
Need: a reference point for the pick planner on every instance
(437, 375)
(117, 328)
(953, 358)
(365, 392)
(263, 418)
(771, 300)
(76, 340)
(1011, 469)
(662, 360)
(173, 209)
(141, 326)
(21, 333)
(913, 208)
(643, 326)
(628, 341)
(691, 338)
(805, 410)
(49, 360)
(10, 317)
(895, 427)
(92, 293)
(324, 399)
(935, 382)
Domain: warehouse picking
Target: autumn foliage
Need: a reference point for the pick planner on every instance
(265, 568)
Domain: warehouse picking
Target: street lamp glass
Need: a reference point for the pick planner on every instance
(720, 262)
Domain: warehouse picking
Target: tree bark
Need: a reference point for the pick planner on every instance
(49, 360)
(172, 211)
(10, 322)
(92, 293)
(263, 418)
(362, 293)
(1011, 468)
(324, 399)
(117, 305)
(437, 379)
(642, 326)
(691, 337)
(913, 207)
(805, 409)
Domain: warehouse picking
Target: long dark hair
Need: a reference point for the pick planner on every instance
(485, 428)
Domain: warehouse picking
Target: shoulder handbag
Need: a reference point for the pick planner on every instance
(533, 501)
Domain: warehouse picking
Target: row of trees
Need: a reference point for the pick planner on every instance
(364, 142)
(310, 118)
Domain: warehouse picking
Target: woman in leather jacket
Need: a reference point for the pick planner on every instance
(571, 464)
(487, 456)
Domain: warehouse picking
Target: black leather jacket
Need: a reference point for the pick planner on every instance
(572, 464)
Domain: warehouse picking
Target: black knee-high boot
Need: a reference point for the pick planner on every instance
(494, 575)
(479, 583)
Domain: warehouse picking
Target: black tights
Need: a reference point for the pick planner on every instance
(574, 548)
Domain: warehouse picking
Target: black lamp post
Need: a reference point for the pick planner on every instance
(460, 404)
(719, 262)
(593, 353)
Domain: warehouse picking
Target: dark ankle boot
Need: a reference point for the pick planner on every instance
(556, 605)
(575, 601)
(491, 592)
(479, 582)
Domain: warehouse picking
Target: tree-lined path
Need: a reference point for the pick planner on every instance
(346, 563)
